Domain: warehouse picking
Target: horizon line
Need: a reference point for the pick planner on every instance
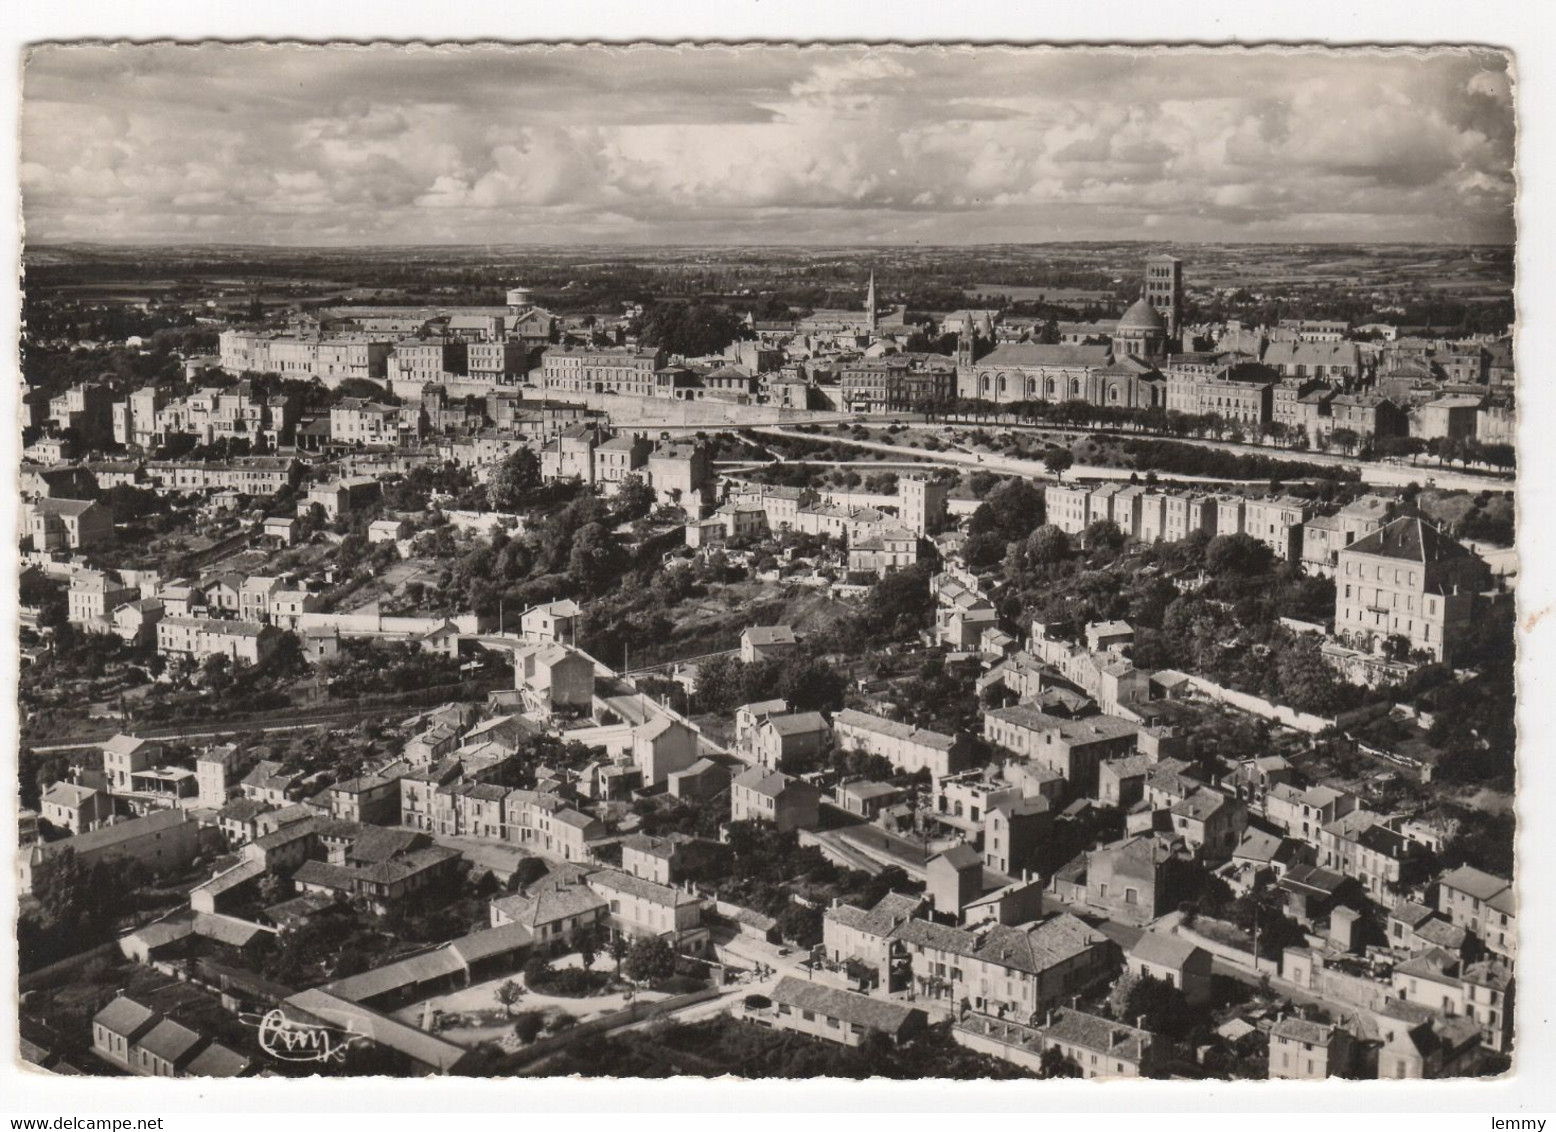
(144, 243)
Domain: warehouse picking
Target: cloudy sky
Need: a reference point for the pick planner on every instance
(306, 145)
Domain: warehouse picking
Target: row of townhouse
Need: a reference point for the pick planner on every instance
(1369, 849)
(332, 358)
(905, 382)
(1166, 515)
(197, 638)
(459, 799)
(992, 968)
(361, 422)
(246, 475)
(1104, 674)
(1482, 904)
(1074, 749)
(1483, 992)
(1396, 1040)
(679, 472)
(150, 418)
(568, 901)
(1097, 1046)
(256, 599)
(147, 1043)
(879, 542)
(909, 749)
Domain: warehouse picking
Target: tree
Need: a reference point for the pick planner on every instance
(1240, 554)
(216, 672)
(526, 873)
(809, 684)
(1058, 461)
(514, 480)
(1104, 534)
(634, 498)
(618, 948)
(1054, 1064)
(691, 329)
(527, 1026)
(900, 603)
(1047, 546)
(649, 960)
(1162, 1006)
(508, 993)
(352, 550)
(800, 924)
(587, 941)
(1014, 509)
(596, 559)
(536, 970)
(983, 550)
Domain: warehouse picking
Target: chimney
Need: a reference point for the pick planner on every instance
(1139, 1021)
(1050, 1021)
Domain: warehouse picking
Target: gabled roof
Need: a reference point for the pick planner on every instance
(846, 1006)
(216, 1060)
(960, 857)
(416, 1044)
(1409, 539)
(760, 635)
(1301, 1030)
(1018, 354)
(1040, 947)
(796, 723)
(1474, 882)
(1091, 1032)
(110, 835)
(125, 1017)
(770, 783)
(170, 1040)
(1201, 805)
(68, 795)
(126, 745)
(1164, 950)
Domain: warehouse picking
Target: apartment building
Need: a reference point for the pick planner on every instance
(1408, 580)
(910, 749)
(1073, 748)
(1482, 904)
(621, 370)
(764, 795)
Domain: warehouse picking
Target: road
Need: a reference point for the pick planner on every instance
(1393, 475)
(174, 731)
(1384, 473)
(991, 462)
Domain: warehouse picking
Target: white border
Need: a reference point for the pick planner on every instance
(1522, 27)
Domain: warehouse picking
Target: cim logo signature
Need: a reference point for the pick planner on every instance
(287, 1039)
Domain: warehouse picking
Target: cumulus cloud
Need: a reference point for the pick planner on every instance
(305, 144)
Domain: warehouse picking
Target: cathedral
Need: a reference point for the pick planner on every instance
(1124, 372)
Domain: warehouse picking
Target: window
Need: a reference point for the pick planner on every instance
(809, 1015)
